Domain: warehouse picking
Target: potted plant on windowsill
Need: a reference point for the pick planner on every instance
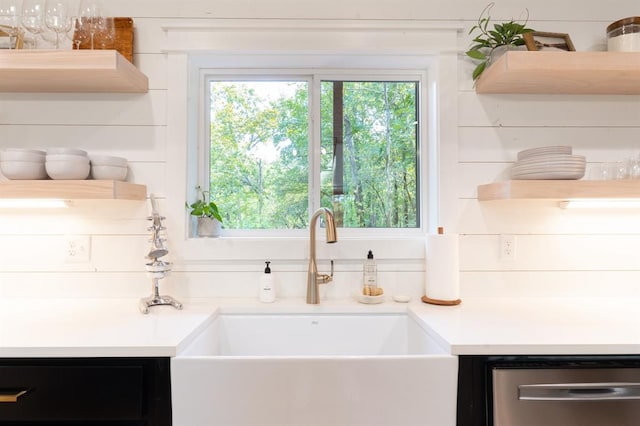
(209, 220)
(490, 43)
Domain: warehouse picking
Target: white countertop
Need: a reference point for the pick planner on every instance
(535, 326)
(97, 327)
(115, 327)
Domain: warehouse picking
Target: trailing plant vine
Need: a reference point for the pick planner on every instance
(505, 34)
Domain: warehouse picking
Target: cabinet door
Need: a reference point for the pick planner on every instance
(73, 393)
(85, 390)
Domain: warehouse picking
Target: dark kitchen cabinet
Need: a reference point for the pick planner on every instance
(85, 391)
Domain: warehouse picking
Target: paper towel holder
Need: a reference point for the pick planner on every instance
(440, 302)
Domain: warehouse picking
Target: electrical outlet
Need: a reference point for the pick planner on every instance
(507, 247)
(77, 248)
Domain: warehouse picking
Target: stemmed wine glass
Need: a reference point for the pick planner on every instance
(10, 20)
(90, 14)
(57, 18)
(107, 33)
(33, 18)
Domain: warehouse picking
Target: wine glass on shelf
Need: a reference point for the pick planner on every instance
(106, 33)
(10, 20)
(57, 18)
(90, 14)
(33, 18)
(79, 34)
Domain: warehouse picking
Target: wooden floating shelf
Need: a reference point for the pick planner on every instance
(73, 189)
(560, 190)
(614, 73)
(102, 71)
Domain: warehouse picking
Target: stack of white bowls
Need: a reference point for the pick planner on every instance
(67, 164)
(23, 164)
(109, 167)
(548, 162)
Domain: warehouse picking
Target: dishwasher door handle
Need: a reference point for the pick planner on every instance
(579, 392)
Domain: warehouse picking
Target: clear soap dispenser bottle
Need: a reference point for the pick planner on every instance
(370, 276)
(267, 286)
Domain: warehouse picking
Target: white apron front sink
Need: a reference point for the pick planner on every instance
(314, 370)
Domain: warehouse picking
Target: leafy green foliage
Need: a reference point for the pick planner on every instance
(202, 208)
(259, 163)
(505, 34)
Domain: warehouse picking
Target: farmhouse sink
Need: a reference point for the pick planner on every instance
(314, 369)
(316, 335)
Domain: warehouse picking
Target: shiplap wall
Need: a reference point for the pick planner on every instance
(558, 252)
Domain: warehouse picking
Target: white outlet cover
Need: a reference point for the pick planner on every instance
(77, 248)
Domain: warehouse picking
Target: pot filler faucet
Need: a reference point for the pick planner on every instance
(313, 278)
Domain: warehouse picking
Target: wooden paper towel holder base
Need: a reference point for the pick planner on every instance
(431, 301)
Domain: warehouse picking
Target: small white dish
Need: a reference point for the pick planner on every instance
(67, 170)
(401, 298)
(66, 151)
(23, 170)
(370, 300)
(68, 157)
(22, 155)
(108, 172)
(108, 160)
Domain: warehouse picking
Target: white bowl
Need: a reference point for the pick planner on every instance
(67, 170)
(109, 172)
(23, 170)
(107, 160)
(32, 151)
(72, 158)
(22, 155)
(67, 151)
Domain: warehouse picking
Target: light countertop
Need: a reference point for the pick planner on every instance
(97, 327)
(535, 326)
(116, 328)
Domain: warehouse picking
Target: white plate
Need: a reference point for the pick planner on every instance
(555, 158)
(524, 171)
(532, 152)
(549, 175)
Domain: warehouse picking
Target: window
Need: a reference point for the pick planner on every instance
(269, 165)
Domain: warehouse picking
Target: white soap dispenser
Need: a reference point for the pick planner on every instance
(267, 286)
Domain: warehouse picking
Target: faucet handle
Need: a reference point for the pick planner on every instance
(324, 278)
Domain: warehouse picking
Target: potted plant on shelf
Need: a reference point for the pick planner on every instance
(490, 43)
(209, 220)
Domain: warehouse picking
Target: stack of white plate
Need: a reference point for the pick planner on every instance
(548, 162)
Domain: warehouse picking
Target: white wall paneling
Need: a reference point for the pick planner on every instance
(550, 10)
(558, 252)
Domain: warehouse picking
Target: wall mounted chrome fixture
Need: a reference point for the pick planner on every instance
(157, 269)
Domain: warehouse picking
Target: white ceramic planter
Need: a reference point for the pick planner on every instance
(208, 227)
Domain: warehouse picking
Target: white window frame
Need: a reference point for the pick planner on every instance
(313, 77)
(428, 48)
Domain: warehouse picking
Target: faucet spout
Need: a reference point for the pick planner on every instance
(313, 278)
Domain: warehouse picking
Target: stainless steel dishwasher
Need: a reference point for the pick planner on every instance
(564, 396)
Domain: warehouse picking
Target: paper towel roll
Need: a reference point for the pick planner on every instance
(442, 269)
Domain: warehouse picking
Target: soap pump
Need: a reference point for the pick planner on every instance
(267, 285)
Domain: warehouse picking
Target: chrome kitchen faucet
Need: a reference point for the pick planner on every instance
(313, 278)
